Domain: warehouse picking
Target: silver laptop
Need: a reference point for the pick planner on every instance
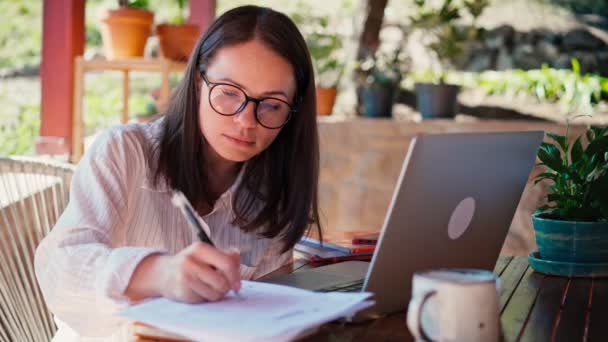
(452, 207)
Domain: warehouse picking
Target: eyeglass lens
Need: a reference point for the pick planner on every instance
(229, 100)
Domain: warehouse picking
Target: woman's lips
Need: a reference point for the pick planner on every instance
(241, 141)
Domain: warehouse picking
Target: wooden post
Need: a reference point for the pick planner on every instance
(62, 40)
(77, 143)
(202, 13)
(125, 97)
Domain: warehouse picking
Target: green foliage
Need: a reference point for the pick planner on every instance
(133, 3)
(447, 40)
(179, 18)
(324, 45)
(20, 33)
(575, 92)
(18, 136)
(584, 6)
(578, 175)
(92, 35)
(384, 68)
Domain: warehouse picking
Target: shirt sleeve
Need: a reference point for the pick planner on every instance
(81, 276)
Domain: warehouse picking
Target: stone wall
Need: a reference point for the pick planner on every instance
(505, 48)
(361, 160)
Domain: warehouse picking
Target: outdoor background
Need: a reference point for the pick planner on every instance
(533, 92)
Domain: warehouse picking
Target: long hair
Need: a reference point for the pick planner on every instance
(284, 177)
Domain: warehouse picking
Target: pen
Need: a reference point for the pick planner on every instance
(179, 200)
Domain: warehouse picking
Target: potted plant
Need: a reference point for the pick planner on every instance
(573, 226)
(177, 38)
(325, 49)
(125, 30)
(378, 78)
(151, 113)
(445, 40)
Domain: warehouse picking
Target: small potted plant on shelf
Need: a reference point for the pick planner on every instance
(150, 114)
(378, 78)
(125, 30)
(446, 42)
(177, 38)
(325, 49)
(572, 228)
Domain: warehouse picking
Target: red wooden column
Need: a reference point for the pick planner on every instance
(62, 40)
(202, 13)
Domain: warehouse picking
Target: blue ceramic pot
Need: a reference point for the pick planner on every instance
(437, 100)
(378, 100)
(571, 241)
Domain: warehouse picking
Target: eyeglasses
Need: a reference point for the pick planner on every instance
(227, 99)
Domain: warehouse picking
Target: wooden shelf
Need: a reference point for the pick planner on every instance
(81, 66)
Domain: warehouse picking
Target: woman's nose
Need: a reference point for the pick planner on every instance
(246, 117)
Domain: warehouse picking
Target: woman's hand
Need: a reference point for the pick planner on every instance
(198, 273)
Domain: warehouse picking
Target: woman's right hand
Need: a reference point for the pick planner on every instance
(198, 273)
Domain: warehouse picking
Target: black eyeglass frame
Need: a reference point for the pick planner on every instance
(248, 98)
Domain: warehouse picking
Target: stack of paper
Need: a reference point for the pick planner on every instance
(261, 312)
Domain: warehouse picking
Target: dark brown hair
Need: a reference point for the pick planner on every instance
(284, 177)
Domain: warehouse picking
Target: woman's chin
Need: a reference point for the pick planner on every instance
(236, 156)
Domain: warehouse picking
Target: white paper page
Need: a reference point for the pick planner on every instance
(263, 312)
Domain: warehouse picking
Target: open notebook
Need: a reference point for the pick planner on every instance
(263, 311)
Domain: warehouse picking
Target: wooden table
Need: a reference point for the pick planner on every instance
(126, 65)
(534, 307)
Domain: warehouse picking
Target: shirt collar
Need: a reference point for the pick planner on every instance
(163, 186)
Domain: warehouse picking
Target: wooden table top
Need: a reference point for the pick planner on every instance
(534, 307)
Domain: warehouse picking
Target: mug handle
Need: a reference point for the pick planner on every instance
(414, 316)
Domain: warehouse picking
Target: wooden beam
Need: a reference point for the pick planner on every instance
(62, 40)
(202, 13)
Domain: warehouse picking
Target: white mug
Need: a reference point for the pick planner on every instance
(454, 305)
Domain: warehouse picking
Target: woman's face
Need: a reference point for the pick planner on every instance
(260, 73)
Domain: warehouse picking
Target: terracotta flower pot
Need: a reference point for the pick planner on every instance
(177, 41)
(326, 97)
(125, 31)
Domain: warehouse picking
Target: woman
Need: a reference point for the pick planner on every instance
(239, 140)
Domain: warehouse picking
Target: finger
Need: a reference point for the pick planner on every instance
(236, 256)
(205, 273)
(224, 262)
(202, 289)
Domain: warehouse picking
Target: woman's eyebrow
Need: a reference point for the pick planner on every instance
(266, 93)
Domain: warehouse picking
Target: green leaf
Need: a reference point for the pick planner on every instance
(599, 131)
(545, 175)
(577, 151)
(554, 197)
(560, 139)
(543, 208)
(551, 157)
(576, 66)
(597, 147)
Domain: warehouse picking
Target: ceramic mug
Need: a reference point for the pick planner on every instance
(454, 305)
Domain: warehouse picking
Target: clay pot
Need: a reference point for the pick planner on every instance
(125, 31)
(326, 97)
(177, 41)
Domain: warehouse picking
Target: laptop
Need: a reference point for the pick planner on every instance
(452, 207)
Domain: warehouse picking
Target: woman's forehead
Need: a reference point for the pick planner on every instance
(253, 66)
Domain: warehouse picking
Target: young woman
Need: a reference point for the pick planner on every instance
(239, 140)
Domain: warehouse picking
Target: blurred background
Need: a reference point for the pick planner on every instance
(542, 59)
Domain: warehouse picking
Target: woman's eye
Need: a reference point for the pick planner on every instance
(270, 107)
(230, 93)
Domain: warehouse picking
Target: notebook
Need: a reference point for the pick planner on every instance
(261, 312)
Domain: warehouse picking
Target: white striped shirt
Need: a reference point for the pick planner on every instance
(114, 219)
